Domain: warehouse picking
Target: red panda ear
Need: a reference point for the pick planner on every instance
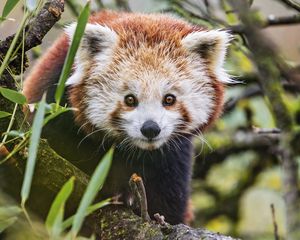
(96, 44)
(210, 45)
(95, 36)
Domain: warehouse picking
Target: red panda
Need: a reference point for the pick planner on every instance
(146, 83)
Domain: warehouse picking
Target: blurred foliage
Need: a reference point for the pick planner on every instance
(239, 179)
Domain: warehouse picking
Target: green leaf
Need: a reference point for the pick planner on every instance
(13, 96)
(9, 52)
(15, 133)
(31, 5)
(6, 223)
(4, 114)
(8, 215)
(9, 6)
(55, 112)
(55, 216)
(94, 186)
(67, 223)
(82, 20)
(8, 212)
(33, 147)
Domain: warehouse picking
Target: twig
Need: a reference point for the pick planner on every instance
(48, 16)
(292, 4)
(266, 131)
(206, 20)
(276, 236)
(271, 21)
(225, 143)
(251, 91)
(138, 188)
(276, 21)
(160, 219)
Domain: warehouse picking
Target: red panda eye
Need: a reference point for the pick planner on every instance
(169, 100)
(131, 101)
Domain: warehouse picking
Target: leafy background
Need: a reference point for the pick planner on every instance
(233, 194)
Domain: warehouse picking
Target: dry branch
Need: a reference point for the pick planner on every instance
(38, 27)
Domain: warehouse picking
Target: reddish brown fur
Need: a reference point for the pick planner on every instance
(42, 75)
(184, 113)
(132, 29)
(218, 100)
(115, 115)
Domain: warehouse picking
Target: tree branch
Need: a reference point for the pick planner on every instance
(38, 27)
(291, 3)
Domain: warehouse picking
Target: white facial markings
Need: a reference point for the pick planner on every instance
(198, 92)
(150, 111)
(213, 45)
(193, 90)
(98, 44)
(149, 76)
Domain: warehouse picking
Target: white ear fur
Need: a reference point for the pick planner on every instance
(211, 45)
(103, 33)
(96, 41)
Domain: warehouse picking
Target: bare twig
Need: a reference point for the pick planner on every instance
(275, 21)
(160, 219)
(292, 4)
(266, 131)
(38, 26)
(48, 16)
(271, 21)
(276, 236)
(137, 185)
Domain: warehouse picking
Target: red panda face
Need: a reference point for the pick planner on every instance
(148, 94)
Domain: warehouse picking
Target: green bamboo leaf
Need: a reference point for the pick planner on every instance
(33, 147)
(54, 112)
(94, 186)
(13, 96)
(82, 20)
(6, 59)
(68, 222)
(8, 212)
(55, 216)
(15, 133)
(4, 114)
(8, 215)
(7, 222)
(9, 6)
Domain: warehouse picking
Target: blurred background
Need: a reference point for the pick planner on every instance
(237, 174)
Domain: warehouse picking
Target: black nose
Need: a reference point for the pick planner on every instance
(150, 129)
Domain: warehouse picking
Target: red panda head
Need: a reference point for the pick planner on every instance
(148, 78)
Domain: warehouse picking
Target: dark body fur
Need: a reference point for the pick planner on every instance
(166, 172)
